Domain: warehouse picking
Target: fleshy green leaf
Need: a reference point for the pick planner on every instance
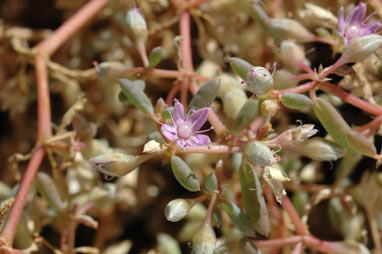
(211, 182)
(238, 218)
(240, 67)
(205, 95)
(155, 56)
(184, 174)
(134, 92)
(253, 198)
(48, 190)
(246, 115)
(296, 101)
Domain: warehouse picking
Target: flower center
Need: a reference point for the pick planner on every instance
(185, 130)
(352, 32)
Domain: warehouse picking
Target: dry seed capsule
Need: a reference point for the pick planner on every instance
(296, 101)
(204, 240)
(259, 80)
(177, 209)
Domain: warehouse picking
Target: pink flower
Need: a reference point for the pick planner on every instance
(355, 25)
(185, 131)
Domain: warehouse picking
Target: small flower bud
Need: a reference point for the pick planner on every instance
(233, 102)
(259, 153)
(321, 149)
(284, 79)
(291, 54)
(269, 108)
(204, 240)
(282, 29)
(136, 24)
(360, 48)
(177, 209)
(259, 80)
(296, 101)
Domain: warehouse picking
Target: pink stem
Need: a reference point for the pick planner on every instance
(187, 65)
(372, 124)
(273, 205)
(172, 93)
(216, 149)
(278, 242)
(9, 229)
(351, 99)
(142, 52)
(299, 89)
(305, 76)
(196, 3)
(289, 208)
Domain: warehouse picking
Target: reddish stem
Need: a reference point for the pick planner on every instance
(142, 52)
(172, 93)
(273, 205)
(9, 229)
(289, 208)
(351, 99)
(216, 149)
(184, 27)
(299, 89)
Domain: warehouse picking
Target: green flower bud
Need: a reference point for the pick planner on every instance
(155, 56)
(184, 174)
(238, 218)
(291, 54)
(233, 101)
(282, 29)
(137, 26)
(296, 101)
(204, 240)
(259, 80)
(177, 209)
(240, 67)
(211, 182)
(168, 245)
(360, 48)
(321, 149)
(117, 164)
(284, 79)
(269, 108)
(259, 153)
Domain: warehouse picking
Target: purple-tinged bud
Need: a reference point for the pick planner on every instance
(360, 48)
(136, 24)
(177, 209)
(259, 80)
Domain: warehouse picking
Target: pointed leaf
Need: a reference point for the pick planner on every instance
(240, 67)
(253, 198)
(238, 218)
(155, 56)
(134, 92)
(205, 95)
(246, 115)
(184, 174)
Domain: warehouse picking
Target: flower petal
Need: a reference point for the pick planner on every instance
(198, 140)
(182, 144)
(178, 113)
(198, 118)
(341, 21)
(169, 131)
(357, 14)
(372, 27)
